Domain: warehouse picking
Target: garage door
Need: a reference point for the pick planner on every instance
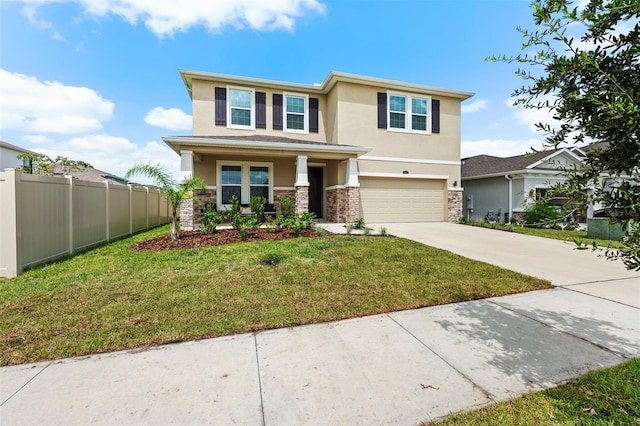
(402, 200)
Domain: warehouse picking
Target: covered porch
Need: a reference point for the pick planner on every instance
(320, 178)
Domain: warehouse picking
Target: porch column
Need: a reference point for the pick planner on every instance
(186, 208)
(302, 185)
(352, 192)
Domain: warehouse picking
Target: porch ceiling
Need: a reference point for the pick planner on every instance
(262, 145)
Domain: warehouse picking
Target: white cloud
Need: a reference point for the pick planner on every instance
(532, 116)
(58, 36)
(475, 106)
(38, 139)
(172, 118)
(30, 105)
(499, 147)
(165, 18)
(113, 154)
(30, 13)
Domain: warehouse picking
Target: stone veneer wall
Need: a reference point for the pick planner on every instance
(454, 206)
(278, 193)
(302, 200)
(343, 204)
(190, 209)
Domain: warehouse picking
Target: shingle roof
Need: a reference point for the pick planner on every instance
(87, 173)
(481, 165)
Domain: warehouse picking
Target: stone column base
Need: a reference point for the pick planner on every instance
(302, 200)
(454, 206)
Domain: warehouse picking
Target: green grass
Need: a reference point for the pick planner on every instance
(606, 397)
(556, 234)
(114, 298)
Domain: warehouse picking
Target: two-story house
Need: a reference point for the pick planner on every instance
(351, 147)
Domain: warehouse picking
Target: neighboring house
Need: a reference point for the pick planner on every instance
(508, 184)
(9, 156)
(351, 147)
(87, 174)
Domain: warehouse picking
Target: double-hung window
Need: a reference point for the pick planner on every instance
(230, 182)
(244, 180)
(296, 116)
(241, 107)
(408, 113)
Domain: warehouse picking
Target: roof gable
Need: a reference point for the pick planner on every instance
(486, 165)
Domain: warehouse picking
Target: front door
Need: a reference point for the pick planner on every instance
(315, 191)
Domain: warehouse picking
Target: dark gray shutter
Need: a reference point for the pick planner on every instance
(221, 106)
(261, 110)
(435, 116)
(277, 112)
(382, 110)
(313, 115)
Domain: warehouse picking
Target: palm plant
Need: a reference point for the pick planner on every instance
(174, 191)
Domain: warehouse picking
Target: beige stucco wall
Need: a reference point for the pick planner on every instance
(204, 113)
(358, 125)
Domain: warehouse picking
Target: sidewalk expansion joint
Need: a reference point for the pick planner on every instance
(23, 386)
(559, 330)
(486, 393)
(255, 344)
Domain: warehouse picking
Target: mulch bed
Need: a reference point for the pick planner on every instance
(195, 239)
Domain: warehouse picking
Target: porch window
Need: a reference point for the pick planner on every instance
(259, 182)
(245, 180)
(231, 183)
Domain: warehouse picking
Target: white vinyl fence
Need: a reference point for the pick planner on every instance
(43, 218)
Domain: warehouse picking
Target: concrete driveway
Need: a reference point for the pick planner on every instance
(554, 260)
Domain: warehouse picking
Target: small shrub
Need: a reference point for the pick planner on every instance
(210, 219)
(383, 231)
(246, 224)
(541, 215)
(234, 215)
(367, 230)
(308, 219)
(571, 226)
(272, 225)
(349, 229)
(271, 259)
(286, 207)
(463, 220)
(257, 208)
(320, 230)
(359, 223)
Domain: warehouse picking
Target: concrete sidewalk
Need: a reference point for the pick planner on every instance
(399, 368)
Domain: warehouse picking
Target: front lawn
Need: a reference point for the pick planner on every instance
(557, 234)
(606, 397)
(114, 297)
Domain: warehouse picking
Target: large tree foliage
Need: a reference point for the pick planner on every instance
(41, 164)
(176, 192)
(583, 65)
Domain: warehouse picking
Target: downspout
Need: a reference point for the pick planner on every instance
(507, 177)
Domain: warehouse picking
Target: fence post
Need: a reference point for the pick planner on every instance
(10, 214)
(146, 206)
(106, 203)
(71, 242)
(130, 209)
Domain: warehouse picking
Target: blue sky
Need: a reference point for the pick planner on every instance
(98, 80)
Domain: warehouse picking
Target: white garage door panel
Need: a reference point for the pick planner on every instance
(402, 200)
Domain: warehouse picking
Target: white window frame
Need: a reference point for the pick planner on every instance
(245, 191)
(408, 114)
(286, 95)
(230, 125)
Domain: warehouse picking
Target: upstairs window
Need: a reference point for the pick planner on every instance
(241, 107)
(408, 113)
(296, 117)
